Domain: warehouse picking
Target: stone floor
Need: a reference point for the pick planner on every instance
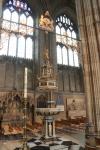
(9, 145)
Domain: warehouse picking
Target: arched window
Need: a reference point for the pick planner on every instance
(17, 30)
(66, 42)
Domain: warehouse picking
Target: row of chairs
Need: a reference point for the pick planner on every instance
(77, 123)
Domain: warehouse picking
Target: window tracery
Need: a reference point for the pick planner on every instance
(67, 44)
(17, 30)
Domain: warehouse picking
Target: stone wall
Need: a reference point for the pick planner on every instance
(12, 73)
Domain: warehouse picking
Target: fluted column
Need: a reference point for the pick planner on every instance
(88, 16)
(96, 19)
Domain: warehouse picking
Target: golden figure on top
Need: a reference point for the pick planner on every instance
(46, 22)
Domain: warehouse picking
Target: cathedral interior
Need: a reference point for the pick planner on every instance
(50, 74)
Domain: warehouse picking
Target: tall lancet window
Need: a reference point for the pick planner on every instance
(67, 53)
(17, 30)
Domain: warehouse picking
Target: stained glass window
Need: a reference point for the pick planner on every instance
(66, 39)
(17, 37)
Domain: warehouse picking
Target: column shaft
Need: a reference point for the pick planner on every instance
(54, 128)
(46, 129)
(88, 19)
(1, 5)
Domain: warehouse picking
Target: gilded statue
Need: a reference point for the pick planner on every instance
(46, 22)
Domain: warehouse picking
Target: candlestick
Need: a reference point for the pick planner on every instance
(25, 111)
(25, 83)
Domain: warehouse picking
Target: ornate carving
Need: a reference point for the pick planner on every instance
(46, 56)
(46, 22)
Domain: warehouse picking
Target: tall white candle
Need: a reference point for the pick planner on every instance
(25, 83)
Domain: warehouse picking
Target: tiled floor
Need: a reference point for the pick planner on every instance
(11, 145)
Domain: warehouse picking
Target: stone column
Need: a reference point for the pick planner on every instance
(50, 129)
(46, 128)
(1, 4)
(97, 140)
(54, 135)
(88, 19)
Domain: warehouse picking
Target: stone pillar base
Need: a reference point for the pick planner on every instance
(97, 141)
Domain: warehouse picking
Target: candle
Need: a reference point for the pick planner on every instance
(25, 83)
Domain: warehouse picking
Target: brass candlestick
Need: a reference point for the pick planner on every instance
(25, 147)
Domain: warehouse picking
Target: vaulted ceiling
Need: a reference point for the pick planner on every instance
(54, 7)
